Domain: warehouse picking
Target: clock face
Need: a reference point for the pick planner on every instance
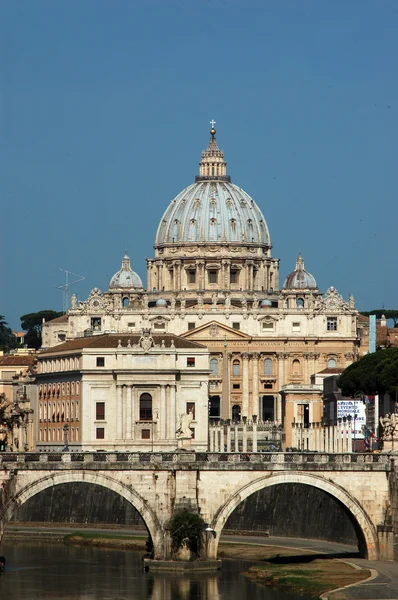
(96, 303)
(332, 303)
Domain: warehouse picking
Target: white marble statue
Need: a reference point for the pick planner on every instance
(184, 422)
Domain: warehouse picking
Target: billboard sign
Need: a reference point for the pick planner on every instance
(357, 411)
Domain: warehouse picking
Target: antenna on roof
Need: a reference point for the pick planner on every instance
(65, 287)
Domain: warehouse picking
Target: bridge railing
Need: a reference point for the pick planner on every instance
(114, 460)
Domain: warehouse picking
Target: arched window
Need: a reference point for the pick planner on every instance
(299, 303)
(145, 407)
(267, 366)
(287, 303)
(236, 412)
(296, 367)
(236, 368)
(214, 366)
(332, 363)
(125, 302)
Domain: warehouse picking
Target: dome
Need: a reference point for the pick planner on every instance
(213, 210)
(300, 279)
(126, 278)
(161, 302)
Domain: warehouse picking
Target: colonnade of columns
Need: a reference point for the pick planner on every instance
(172, 274)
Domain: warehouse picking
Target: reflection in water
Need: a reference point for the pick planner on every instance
(55, 571)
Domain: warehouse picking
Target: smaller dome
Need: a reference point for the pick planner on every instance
(126, 278)
(161, 302)
(300, 279)
(266, 302)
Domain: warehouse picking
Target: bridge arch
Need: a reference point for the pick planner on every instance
(365, 529)
(31, 489)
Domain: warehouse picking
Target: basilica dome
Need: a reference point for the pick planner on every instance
(300, 279)
(126, 278)
(213, 210)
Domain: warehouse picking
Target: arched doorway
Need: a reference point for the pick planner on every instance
(236, 413)
(267, 408)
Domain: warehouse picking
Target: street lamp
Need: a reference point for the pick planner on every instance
(66, 431)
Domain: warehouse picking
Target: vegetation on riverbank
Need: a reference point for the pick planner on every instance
(121, 542)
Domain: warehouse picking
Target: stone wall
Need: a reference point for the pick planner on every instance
(294, 510)
(393, 482)
(291, 510)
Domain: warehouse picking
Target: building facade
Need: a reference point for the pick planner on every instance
(213, 281)
(123, 392)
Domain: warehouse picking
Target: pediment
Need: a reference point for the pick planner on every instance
(215, 331)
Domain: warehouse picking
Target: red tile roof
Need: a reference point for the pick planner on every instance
(330, 371)
(15, 360)
(61, 319)
(112, 341)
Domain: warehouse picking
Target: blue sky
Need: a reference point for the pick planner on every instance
(105, 108)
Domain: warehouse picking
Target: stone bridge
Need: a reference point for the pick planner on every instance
(214, 484)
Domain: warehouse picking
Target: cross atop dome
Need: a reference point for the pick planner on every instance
(213, 166)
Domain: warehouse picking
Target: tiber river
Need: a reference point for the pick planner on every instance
(38, 571)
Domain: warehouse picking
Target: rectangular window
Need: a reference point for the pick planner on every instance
(296, 326)
(233, 277)
(235, 325)
(268, 386)
(145, 434)
(100, 411)
(268, 325)
(331, 323)
(100, 433)
(191, 326)
(191, 276)
(212, 276)
(190, 361)
(160, 325)
(236, 386)
(191, 407)
(131, 325)
(100, 361)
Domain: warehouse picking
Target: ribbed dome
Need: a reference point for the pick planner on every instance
(126, 278)
(213, 210)
(300, 279)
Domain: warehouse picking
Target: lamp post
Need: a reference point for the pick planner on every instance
(66, 431)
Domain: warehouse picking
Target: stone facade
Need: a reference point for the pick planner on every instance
(213, 281)
(123, 392)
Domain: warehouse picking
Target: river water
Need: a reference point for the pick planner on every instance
(55, 571)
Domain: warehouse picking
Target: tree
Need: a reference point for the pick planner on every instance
(186, 527)
(8, 341)
(32, 324)
(374, 373)
(379, 312)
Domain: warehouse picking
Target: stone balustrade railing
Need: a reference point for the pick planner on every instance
(12, 461)
(245, 436)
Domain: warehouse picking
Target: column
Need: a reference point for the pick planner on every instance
(119, 412)
(254, 436)
(163, 412)
(226, 384)
(134, 410)
(128, 412)
(255, 404)
(228, 438)
(244, 438)
(245, 385)
(172, 412)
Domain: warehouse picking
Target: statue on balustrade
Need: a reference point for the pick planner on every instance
(390, 432)
(184, 421)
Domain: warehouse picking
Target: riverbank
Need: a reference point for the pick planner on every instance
(303, 571)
